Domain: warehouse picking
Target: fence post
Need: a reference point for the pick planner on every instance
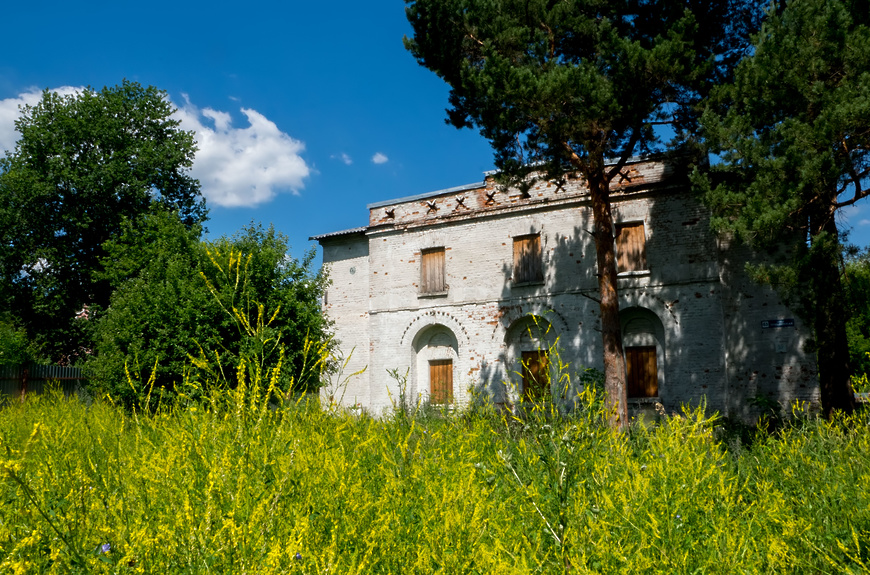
(24, 375)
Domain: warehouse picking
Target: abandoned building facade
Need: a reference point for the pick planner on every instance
(474, 289)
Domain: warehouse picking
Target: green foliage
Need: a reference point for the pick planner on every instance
(15, 347)
(791, 128)
(564, 85)
(858, 328)
(233, 484)
(177, 297)
(791, 133)
(269, 299)
(160, 309)
(84, 164)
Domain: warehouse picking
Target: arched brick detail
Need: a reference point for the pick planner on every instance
(435, 317)
(509, 315)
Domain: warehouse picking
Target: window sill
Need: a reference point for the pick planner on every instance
(633, 274)
(432, 294)
(529, 283)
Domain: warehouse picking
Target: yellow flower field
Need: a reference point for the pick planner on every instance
(244, 486)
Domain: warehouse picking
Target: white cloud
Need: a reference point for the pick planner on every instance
(380, 158)
(9, 112)
(244, 166)
(347, 160)
(222, 120)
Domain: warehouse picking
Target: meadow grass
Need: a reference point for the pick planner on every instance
(239, 484)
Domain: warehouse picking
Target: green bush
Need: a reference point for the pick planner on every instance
(177, 297)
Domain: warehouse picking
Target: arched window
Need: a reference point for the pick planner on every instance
(528, 343)
(437, 352)
(643, 341)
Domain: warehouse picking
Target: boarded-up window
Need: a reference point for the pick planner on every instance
(630, 247)
(432, 271)
(641, 371)
(527, 259)
(536, 383)
(441, 381)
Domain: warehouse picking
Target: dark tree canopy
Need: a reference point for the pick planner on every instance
(793, 135)
(84, 164)
(565, 82)
(578, 87)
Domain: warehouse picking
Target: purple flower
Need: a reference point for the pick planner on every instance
(298, 556)
(105, 548)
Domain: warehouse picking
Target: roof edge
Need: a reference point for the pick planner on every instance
(426, 195)
(350, 232)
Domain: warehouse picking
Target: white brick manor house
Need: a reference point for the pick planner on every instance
(448, 284)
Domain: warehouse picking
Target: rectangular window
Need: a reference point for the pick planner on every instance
(630, 247)
(527, 259)
(432, 271)
(536, 381)
(641, 371)
(441, 381)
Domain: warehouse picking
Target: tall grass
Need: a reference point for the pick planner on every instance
(245, 485)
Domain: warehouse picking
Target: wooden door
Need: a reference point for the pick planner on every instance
(441, 381)
(536, 383)
(641, 371)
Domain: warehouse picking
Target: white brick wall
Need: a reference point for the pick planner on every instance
(711, 344)
(346, 304)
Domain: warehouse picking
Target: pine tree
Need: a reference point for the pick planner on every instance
(793, 135)
(578, 87)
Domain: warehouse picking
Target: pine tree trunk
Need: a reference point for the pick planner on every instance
(611, 331)
(829, 317)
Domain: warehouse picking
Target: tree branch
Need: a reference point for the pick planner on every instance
(624, 155)
(855, 179)
(576, 160)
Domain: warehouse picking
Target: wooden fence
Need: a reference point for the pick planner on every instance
(18, 380)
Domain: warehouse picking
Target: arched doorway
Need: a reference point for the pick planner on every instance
(643, 338)
(528, 344)
(437, 352)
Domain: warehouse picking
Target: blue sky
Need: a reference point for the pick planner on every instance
(305, 112)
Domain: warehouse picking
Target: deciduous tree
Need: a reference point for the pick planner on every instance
(84, 164)
(577, 87)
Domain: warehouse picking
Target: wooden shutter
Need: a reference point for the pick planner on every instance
(536, 383)
(432, 271)
(630, 247)
(441, 381)
(641, 371)
(527, 259)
